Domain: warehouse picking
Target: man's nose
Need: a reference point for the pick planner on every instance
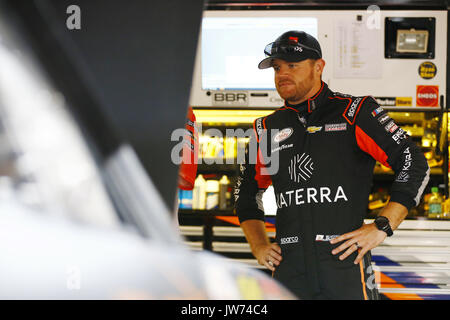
(283, 71)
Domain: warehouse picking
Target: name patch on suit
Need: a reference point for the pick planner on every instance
(336, 127)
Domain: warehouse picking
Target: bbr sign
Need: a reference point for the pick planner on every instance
(230, 99)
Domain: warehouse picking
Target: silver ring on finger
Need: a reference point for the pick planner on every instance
(270, 263)
(357, 245)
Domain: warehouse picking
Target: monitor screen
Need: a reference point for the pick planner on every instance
(232, 47)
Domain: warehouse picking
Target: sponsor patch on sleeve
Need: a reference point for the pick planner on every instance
(399, 135)
(391, 127)
(377, 111)
(384, 118)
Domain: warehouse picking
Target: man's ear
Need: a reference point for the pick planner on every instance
(320, 65)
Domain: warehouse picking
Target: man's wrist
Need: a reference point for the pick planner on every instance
(256, 246)
(382, 224)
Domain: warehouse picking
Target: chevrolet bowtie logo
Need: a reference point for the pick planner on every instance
(313, 129)
(301, 167)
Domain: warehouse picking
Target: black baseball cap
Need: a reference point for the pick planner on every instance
(291, 46)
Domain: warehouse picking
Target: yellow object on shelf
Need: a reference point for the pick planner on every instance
(407, 117)
(446, 209)
(230, 147)
(377, 204)
(434, 163)
(210, 147)
(229, 116)
(414, 130)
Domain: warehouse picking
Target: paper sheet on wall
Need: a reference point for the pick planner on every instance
(357, 49)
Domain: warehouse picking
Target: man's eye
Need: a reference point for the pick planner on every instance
(292, 65)
(276, 68)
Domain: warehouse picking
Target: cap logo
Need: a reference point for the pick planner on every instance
(294, 39)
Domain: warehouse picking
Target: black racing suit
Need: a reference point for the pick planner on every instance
(326, 152)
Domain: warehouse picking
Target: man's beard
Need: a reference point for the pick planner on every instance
(301, 92)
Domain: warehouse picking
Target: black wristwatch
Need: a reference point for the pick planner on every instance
(382, 224)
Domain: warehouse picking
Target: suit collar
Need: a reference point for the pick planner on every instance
(315, 101)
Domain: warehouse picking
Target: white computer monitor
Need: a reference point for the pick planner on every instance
(232, 47)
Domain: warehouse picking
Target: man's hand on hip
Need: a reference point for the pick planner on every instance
(363, 239)
(268, 255)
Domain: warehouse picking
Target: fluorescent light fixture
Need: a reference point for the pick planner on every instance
(412, 41)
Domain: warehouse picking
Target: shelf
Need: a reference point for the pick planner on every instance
(189, 213)
(415, 109)
(206, 213)
(218, 168)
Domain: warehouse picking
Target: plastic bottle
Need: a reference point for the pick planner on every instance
(223, 188)
(229, 191)
(185, 199)
(199, 193)
(212, 194)
(446, 209)
(435, 204)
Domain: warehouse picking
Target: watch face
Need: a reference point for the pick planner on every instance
(382, 224)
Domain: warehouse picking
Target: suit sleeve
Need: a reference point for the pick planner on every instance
(378, 135)
(188, 166)
(251, 183)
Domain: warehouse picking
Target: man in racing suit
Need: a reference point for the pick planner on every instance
(326, 145)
